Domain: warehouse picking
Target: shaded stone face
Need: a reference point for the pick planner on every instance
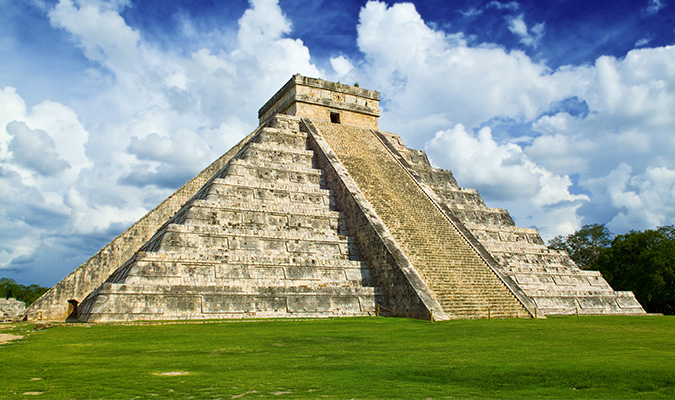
(317, 213)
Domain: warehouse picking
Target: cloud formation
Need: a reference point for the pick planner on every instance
(34, 150)
(558, 147)
(528, 36)
(576, 125)
(654, 6)
(457, 83)
(157, 118)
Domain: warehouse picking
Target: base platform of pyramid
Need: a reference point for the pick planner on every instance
(318, 213)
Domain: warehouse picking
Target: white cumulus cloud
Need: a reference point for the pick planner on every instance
(34, 150)
(535, 140)
(528, 36)
(156, 118)
(434, 79)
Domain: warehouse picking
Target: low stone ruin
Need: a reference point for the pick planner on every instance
(12, 309)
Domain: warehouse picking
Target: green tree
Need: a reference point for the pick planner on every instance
(643, 262)
(585, 245)
(27, 294)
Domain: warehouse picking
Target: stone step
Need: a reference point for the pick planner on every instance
(495, 310)
(458, 304)
(471, 293)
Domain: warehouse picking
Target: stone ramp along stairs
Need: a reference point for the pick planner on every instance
(261, 239)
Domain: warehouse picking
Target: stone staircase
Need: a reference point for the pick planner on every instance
(463, 283)
(261, 239)
(549, 277)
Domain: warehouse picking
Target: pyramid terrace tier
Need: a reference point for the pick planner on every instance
(620, 303)
(262, 216)
(180, 238)
(289, 272)
(551, 267)
(285, 137)
(247, 258)
(273, 172)
(524, 250)
(278, 154)
(270, 224)
(261, 191)
(121, 302)
(496, 233)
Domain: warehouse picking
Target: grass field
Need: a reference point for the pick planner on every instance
(564, 357)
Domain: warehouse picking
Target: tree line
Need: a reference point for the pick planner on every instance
(27, 294)
(640, 261)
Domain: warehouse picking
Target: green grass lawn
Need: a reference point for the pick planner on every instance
(564, 357)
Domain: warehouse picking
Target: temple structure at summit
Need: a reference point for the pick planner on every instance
(318, 213)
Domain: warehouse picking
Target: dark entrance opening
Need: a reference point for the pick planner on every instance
(335, 117)
(72, 310)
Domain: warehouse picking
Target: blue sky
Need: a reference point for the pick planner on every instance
(560, 111)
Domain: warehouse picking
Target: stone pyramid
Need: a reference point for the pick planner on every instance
(318, 213)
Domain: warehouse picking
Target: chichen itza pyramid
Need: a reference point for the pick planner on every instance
(318, 213)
